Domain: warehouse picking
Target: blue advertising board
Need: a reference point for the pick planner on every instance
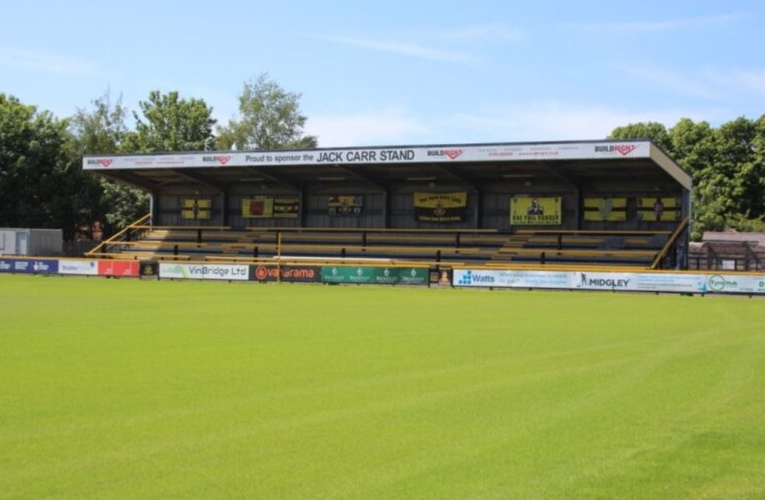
(29, 266)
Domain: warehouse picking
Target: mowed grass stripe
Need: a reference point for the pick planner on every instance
(115, 388)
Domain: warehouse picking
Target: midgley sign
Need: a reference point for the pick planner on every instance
(419, 154)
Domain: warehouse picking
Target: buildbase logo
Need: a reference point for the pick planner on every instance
(221, 159)
(104, 162)
(449, 153)
(622, 149)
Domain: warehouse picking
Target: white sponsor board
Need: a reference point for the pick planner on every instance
(585, 280)
(204, 272)
(637, 282)
(731, 283)
(510, 279)
(78, 266)
(666, 282)
(378, 155)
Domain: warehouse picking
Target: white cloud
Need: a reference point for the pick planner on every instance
(45, 62)
(643, 27)
(672, 80)
(737, 81)
(554, 121)
(490, 33)
(514, 122)
(404, 48)
(386, 127)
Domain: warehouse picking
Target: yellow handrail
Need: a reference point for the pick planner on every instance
(111, 240)
(670, 242)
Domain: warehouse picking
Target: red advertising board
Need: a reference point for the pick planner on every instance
(126, 268)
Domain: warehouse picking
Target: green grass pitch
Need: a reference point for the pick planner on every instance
(134, 389)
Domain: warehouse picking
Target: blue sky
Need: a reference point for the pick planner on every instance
(399, 72)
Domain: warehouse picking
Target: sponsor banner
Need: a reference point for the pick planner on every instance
(659, 209)
(204, 271)
(149, 269)
(731, 283)
(510, 278)
(535, 211)
(126, 268)
(78, 266)
(635, 282)
(440, 207)
(375, 275)
(345, 205)
(287, 274)
(30, 266)
(267, 207)
(378, 155)
(679, 283)
(602, 281)
(195, 209)
(605, 209)
(441, 276)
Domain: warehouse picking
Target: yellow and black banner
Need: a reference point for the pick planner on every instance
(666, 209)
(605, 209)
(440, 207)
(345, 205)
(533, 211)
(268, 207)
(195, 209)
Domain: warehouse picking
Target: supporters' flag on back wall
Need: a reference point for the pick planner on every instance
(267, 207)
(345, 205)
(259, 207)
(535, 211)
(440, 207)
(658, 209)
(605, 209)
(195, 209)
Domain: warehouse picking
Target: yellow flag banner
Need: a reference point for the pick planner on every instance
(532, 211)
(440, 207)
(666, 209)
(286, 207)
(605, 209)
(195, 209)
(345, 205)
(267, 207)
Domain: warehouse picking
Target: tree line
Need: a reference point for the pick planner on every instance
(727, 164)
(42, 183)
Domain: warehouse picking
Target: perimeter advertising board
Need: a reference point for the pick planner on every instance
(616, 281)
(80, 267)
(375, 275)
(124, 268)
(286, 274)
(29, 266)
(204, 272)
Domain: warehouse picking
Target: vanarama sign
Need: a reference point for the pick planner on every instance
(287, 274)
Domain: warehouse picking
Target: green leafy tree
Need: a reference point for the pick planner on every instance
(727, 164)
(269, 118)
(102, 130)
(655, 131)
(39, 178)
(169, 123)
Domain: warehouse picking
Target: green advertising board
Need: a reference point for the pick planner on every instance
(375, 275)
